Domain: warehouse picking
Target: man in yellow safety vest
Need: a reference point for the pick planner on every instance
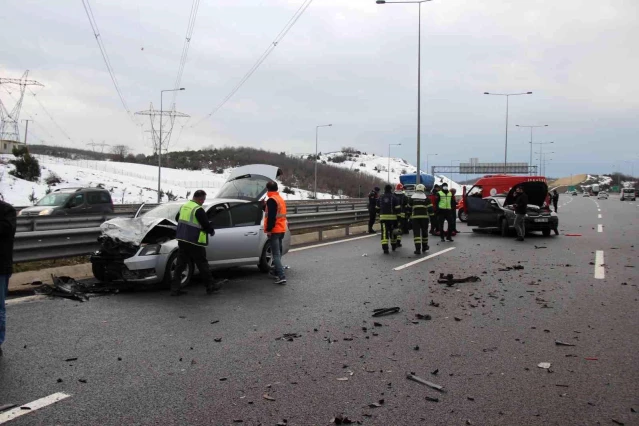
(444, 212)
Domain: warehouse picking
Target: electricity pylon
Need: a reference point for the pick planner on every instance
(9, 120)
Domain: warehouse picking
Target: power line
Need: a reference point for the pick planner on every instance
(105, 55)
(187, 44)
(51, 117)
(261, 59)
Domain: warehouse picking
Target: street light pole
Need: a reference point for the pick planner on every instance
(428, 155)
(531, 139)
(389, 145)
(507, 95)
(26, 130)
(419, 75)
(316, 139)
(160, 142)
(541, 150)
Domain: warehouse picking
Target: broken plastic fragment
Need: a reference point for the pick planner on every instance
(425, 382)
(385, 311)
(545, 365)
(560, 343)
(268, 397)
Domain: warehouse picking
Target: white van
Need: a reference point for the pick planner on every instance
(628, 194)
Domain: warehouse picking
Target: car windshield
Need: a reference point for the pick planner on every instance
(247, 187)
(629, 191)
(166, 211)
(54, 199)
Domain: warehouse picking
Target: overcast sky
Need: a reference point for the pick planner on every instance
(351, 63)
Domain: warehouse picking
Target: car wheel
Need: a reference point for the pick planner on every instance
(266, 259)
(99, 272)
(169, 272)
(503, 226)
(463, 216)
(546, 232)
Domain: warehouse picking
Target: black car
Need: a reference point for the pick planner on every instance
(498, 211)
(66, 201)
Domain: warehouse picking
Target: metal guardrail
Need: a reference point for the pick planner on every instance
(52, 223)
(79, 241)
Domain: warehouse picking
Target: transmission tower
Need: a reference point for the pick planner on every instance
(9, 120)
(167, 126)
(103, 144)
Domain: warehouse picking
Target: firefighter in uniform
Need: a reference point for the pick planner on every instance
(387, 206)
(372, 209)
(193, 232)
(402, 213)
(444, 206)
(422, 212)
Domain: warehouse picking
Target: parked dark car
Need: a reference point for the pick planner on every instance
(498, 212)
(64, 201)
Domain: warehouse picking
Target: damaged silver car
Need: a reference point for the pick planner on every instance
(144, 248)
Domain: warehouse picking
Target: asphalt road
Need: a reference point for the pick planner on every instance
(145, 358)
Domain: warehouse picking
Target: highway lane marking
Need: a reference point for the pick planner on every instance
(430, 256)
(19, 300)
(599, 216)
(331, 243)
(598, 210)
(600, 228)
(32, 406)
(600, 272)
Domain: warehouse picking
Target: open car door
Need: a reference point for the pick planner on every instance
(483, 212)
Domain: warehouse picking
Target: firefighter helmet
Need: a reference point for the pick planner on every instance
(399, 187)
(420, 187)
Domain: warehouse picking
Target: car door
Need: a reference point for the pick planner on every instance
(218, 215)
(76, 205)
(246, 232)
(93, 202)
(477, 208)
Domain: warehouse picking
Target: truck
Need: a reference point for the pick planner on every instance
(594, 189)
(409, 181)
(491, 185)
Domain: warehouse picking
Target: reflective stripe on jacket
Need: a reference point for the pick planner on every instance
(444, 200)
(189, 228)
(421, 206)
(387, 206)
(280, 218)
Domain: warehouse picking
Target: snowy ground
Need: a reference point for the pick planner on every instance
(380, 166)
(128, 183)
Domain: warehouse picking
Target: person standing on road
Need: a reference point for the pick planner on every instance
(402, 213)
(7, 235)
(387, 206)
(372, 209)
(521, 204)
(422, 212)
(453, 208)
(555, 199)
(275, 228)
(444, 205)
(433, 200)
(193, 232)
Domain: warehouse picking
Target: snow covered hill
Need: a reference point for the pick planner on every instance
(128, 183)
(377, 166)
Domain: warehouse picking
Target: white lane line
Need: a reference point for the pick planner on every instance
(598, 216)
(25, 299)
(600, 228)
(600, 272)
(598, 210)
(331, 243)
(32, 406)
(415, 262)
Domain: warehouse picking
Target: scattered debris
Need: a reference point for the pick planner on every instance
(341, 419)
(82, 380)
(365, 255)
(512, 268)
(69, 288)
(591, 359)
(450, 280)
(24, 407)
(289, 337)
(418, 379)
(385, 311)
(540, 247)
(430, 398)
(545, 365)
(268, 397)
(215, 322)
(416, 347)
(617, 422)
(434, 304)
(560, 343)
(71, 359)
(423, 317)
(6, 407)
(435, 371)
(457, 319)
(218, 339)
(563, 386)
(377, 324)
(343, 379)
(376, 404)
(470, 398)
(573, 235)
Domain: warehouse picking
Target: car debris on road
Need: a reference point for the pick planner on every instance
(385, 311)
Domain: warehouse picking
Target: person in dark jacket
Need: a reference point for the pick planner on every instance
(555, 199)
(403, 213)
(275, 225)
(422, 213)
(372, 209)
(521, 204)
(7, 236)
(387, 206)
(433, 200)
(193, 232)
(453, 207)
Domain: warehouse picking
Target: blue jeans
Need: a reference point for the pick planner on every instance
(276, 248)
(4, 289)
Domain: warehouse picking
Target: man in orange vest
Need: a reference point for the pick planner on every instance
(275, 227)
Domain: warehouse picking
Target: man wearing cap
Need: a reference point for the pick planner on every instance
(372, 208)
(193, 232)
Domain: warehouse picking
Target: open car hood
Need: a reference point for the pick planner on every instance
(536, 192)
(248, 182)
(265, 170)
(139, 230)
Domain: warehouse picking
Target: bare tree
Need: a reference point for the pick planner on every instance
(120, 151)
